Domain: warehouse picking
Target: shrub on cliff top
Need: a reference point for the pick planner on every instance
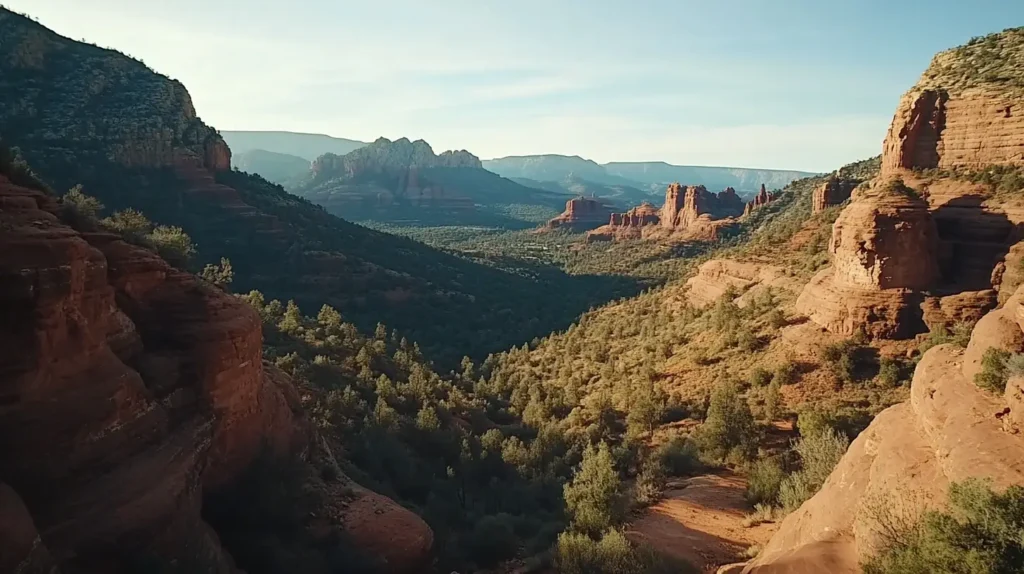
(993, 374)
(982, 532)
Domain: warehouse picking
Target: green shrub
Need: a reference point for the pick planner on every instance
(760, 377)
(786, 373)
(772, 402)
(981, 533)
(493, 540)
(729, 432)
(1015, 365)
(612, 554)
(764, 479)
(679, 456)
(79, 210)
(959, 335)
(819, 455)
(993, 374)
(172, 243)
(649, 482)
(594, 497)
(890, 373)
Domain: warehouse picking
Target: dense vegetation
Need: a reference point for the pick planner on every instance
(982, 532)
(455, 448)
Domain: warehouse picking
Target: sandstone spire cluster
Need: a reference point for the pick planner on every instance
(688, 213)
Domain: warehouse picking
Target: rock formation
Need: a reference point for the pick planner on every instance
(130, 392)
(833, 192)
(885, 252)
(949, 431)
(685, 205)
(961, 113)
(639, 216)
(581, 214)
(717, 276)
(689, 213)
(760, 200)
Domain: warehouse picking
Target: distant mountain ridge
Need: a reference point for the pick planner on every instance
(306, 146)
(405, 181)
(280, 168)
(648, 175)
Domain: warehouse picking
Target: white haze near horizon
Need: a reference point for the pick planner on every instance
(755, 84)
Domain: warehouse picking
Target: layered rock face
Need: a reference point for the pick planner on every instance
(129, 391)
(582, 213)
(963, 112)
(833, 192)
(949, 431)
(884, 248)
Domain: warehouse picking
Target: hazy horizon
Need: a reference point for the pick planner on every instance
(789, 85)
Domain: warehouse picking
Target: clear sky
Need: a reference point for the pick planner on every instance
(798, 84)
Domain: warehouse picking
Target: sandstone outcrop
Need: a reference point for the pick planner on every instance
(885, 253)
(833, 192)
(962, 113)
(639, 216)
(689, 213)
(130, 392)
(760, 200)
(948, 431)
(685, 205)
(714, 278)
(581, 214)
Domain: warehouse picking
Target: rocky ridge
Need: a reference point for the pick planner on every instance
(133, 394)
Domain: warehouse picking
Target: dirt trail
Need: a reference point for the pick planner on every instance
(701, 520)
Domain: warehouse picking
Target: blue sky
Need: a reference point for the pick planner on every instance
(796, 84)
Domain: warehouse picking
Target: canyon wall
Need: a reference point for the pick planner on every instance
(130, 393)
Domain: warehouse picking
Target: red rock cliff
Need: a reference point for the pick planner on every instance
(831, 193)
(127, 390)
(958, 115)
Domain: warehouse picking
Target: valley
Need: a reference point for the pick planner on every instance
(265, 352)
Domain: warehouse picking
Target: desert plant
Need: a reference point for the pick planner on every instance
(982, 532)
(594, 496)
(679, 456)
(729, 430)
(760, 377)
(764, 478)
(819, 454)
(993, 374)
